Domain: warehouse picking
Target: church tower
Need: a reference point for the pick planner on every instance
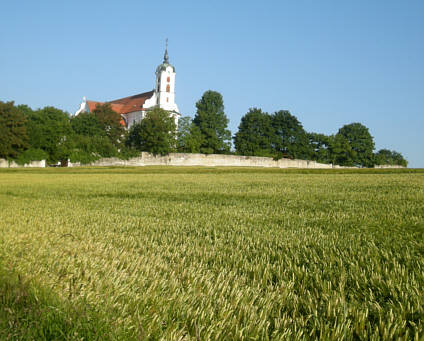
(165, 84)
(133, 109)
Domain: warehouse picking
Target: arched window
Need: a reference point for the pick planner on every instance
(168, 79)
(168, 88)
(167, 99)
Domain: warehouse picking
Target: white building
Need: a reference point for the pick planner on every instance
(133, 108)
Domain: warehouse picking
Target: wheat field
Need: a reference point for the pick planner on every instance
(163, 253)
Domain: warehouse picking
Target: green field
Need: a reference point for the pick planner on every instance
(211, 254)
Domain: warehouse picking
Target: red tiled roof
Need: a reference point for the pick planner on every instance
(92, 105)
(125, 105)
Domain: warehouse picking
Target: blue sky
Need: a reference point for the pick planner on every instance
(329, 62)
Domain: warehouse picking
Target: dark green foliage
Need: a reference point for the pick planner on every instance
(156, 133)
(189, 136)
(340, 151)
(387, 157)
(212, 122)
(49, 129)
(110, 121)
(99, 134)
(290, 138)
(255, 134)
(31, 155)
(50, 133)
(361, 143)
(88, 149)
(24, 109)
(88, 124)
(126, 152)
(320, 147)
(13, 133)
(351, 146)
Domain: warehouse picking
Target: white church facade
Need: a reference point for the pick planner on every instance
(133, 108)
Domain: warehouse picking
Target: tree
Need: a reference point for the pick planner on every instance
(340, 151)
(31, 155)
(111, 123)
(94, 139)
(290, 137)
(320, 147)
(255, 134)
(87, 124)
(86, 148)
(212, 122)
(361, 142)
(24, 109)
(156, 133)
(189, 136)
(387, 157)
(49, 129)
(13, 133)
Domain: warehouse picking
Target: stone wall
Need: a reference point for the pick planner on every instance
(12, 164)
(210, 160)
(183, 159)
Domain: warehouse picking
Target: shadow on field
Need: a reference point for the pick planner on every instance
(29, 312)
(215, 199)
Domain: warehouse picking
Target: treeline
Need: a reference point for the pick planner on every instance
(282, 135)
(52, 134)
(278, 135)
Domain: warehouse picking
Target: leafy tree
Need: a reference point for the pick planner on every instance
(387, 157)
(31, 155)
(86, 149)
(87, 124)
(156, 133)
(320, 147)
(111, 123)
(290, 137)
(212, 122)
(361, 142)
(13, 133)
(340, 151)
(24, 109)
(97, 135)
(255, 134)
(189, 136)
(49, 129)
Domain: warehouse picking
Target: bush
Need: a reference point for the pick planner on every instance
(88, 149)
(126, 153)
(31, 155)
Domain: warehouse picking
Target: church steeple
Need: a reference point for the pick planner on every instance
(166, 57)
(165, 84)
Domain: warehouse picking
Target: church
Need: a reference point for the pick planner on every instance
(133, 108)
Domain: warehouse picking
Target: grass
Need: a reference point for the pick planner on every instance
(30, 312)
(211, 253)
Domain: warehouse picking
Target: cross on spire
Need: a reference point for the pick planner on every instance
(166, 57)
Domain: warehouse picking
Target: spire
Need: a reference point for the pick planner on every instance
(166, 57)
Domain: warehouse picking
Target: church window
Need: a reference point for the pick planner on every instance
(168, 88)
(167, 99)
(168, 79)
